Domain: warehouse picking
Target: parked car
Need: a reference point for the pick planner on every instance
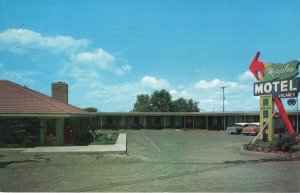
(236, 128)
(251, 129)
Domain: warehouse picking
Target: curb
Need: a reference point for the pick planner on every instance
(119, 147)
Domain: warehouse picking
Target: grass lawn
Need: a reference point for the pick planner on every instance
(101, 139)
(105, 139)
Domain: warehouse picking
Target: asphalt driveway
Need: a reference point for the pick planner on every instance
(157, 160)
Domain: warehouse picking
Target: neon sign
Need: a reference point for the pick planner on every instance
(273, 71)
(277, 87)
(275, 82)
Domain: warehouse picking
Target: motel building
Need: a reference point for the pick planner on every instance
(26, 113)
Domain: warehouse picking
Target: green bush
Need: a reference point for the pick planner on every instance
(259, 145)
(283, 142)
(28, 143)
(108, 137)
(105, 139)
(19, 136)
(2, 144)
(13, 145)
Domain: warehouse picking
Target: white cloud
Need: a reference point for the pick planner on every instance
(152, 82)
(238, 95)
(73, 54)
(123, 70)
(99, 57)
(247, 75)
(94, 63)
(177, 94)
(203, 84)
(209, 104)
(106, 97)
(22, 40)
(173, 93)
(16, 76)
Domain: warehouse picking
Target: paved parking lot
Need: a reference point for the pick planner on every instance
(157, 160)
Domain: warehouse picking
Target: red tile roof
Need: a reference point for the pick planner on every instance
(16, 99)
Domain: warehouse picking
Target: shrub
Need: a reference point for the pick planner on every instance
(2, 144)
(283, 142)
(259, 145)
(19, 136)
(108, 137)
(28, 143)
(13, 145)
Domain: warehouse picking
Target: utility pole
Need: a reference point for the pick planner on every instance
(223, 88)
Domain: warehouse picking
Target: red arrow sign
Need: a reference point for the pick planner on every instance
(257, 66)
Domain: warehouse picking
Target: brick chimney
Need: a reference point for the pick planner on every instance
(60, 91)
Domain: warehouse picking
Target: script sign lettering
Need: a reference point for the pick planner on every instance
(281, 71)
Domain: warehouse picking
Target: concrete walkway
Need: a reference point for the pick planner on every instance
(119, 147)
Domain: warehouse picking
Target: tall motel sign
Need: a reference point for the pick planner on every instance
(276, 81)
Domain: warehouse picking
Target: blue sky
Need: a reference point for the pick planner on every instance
(110, 51)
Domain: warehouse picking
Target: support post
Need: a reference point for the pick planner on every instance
(266, 111)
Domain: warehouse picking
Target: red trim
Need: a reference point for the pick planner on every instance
(285, 117)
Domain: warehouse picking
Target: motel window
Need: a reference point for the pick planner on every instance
(157, 120)
(136, 120)
(109, 120)
(51, 128)
(266, 127)
(265, 102)
(265, 114)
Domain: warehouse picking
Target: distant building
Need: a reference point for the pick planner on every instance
(170, 120)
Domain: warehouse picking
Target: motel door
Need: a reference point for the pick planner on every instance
(69, 135)
(50, 134)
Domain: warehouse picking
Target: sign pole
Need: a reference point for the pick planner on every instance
(266, 118)
(263, 128)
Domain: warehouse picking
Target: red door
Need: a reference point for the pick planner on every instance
(69, 135)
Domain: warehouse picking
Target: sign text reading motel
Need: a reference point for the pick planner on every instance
(280, 88)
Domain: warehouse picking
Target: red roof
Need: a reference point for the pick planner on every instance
(17, 99)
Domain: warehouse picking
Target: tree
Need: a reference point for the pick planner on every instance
(180, 105)
(193, 106)
(91, 109)
(161, 101)
(142, 103)
(184, 105)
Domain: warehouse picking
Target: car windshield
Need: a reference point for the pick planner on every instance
(238, 125)
(252, 125)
